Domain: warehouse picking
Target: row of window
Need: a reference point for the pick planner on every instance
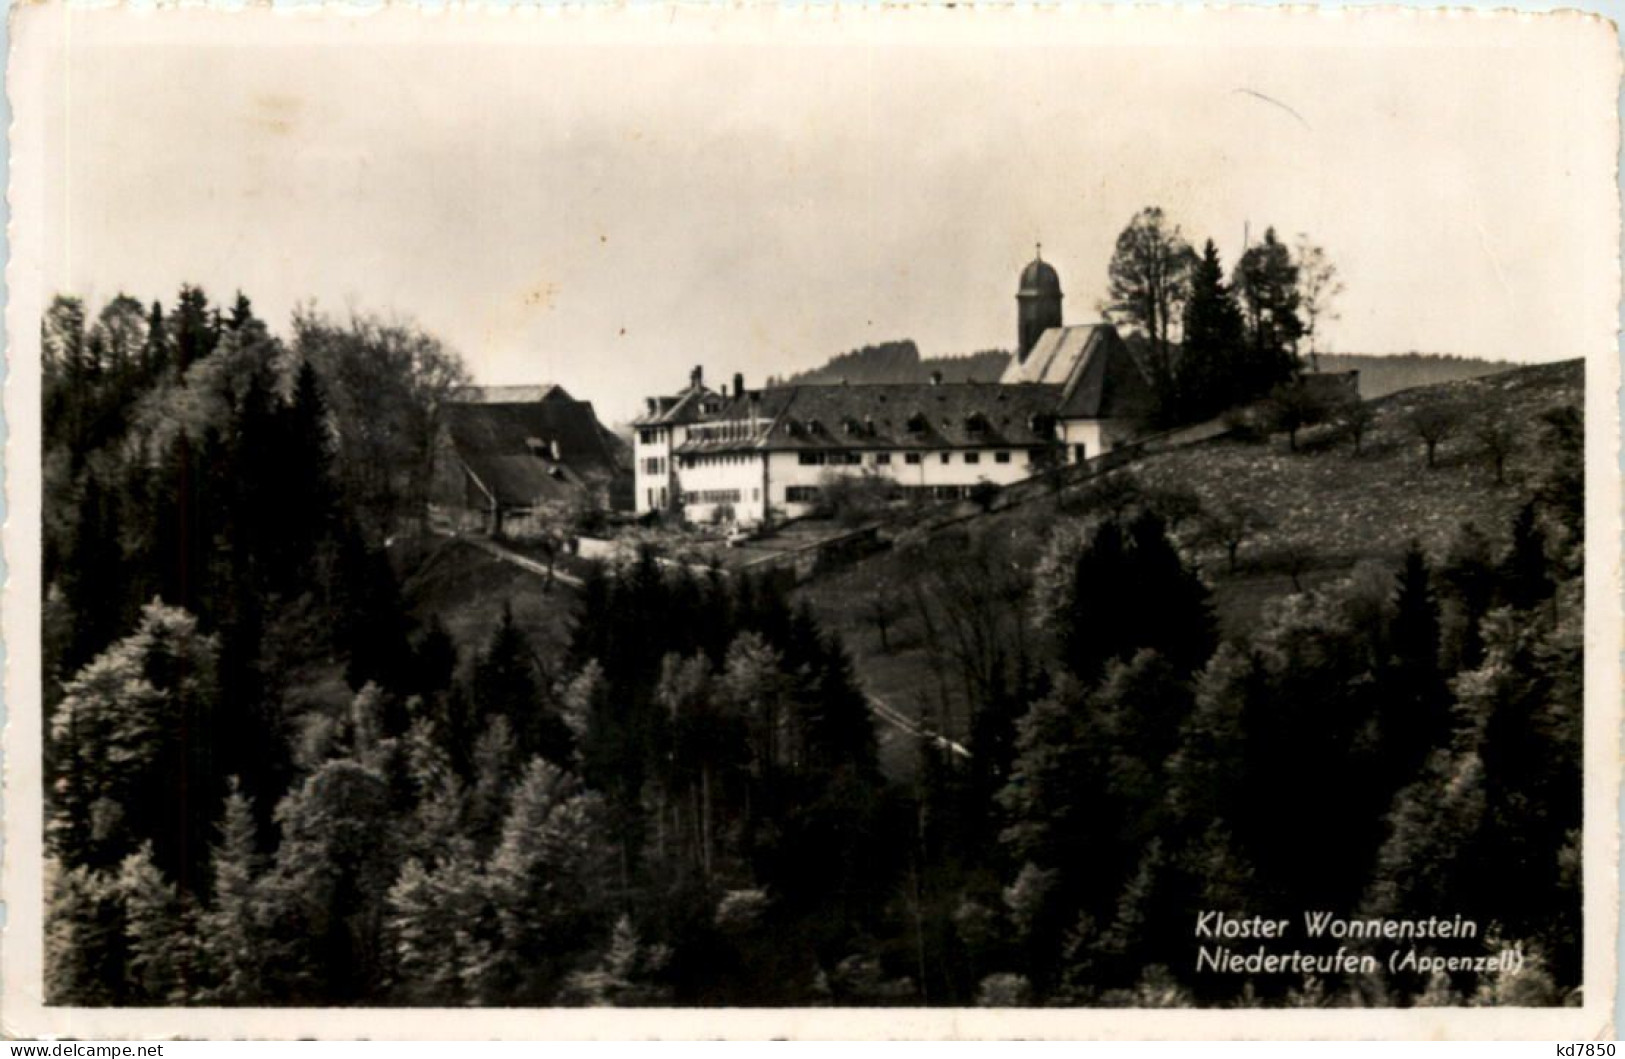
(716, 459)
(975, 424)
(713, 496)
(808, 494)
(819, 459)
(654, 465)
(883, 459)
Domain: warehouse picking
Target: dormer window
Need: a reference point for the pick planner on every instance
(976, 423)
(1041, 425)
(917, 423)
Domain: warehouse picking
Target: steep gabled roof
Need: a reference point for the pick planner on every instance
(511, 394)
(510, 448)
(1100, 377)
(686, 407)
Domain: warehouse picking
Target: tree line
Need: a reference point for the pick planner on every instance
(1211, 342)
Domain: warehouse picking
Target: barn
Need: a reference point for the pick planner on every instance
(524, 462)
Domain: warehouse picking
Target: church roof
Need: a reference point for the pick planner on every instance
(919, 416)
(1100, 376)
(1039, 277)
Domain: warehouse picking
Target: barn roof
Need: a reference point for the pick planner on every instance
(510, 448)
(886, 415)
(511, 394)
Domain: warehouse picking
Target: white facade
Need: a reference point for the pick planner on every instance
(653, 466)
(786, 484)
(1085, 439)
(724, 486)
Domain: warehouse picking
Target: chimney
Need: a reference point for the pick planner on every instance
(739, 384)
(696, 377)
(936, 378)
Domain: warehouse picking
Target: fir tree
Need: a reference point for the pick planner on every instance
(156, 937)
(1525, 582)
(85, 942)
(547, 879)
(1212, 368)
(231, 933)
(505, 683)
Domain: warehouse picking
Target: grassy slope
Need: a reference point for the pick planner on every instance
(467, 589)
(1341, 507)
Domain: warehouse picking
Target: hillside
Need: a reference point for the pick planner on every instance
(1386, 374)
(1326, 509)
(467, 590)
(901, 362)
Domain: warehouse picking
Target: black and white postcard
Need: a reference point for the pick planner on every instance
(811, 521)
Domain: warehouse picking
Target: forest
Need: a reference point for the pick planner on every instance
(271, 782)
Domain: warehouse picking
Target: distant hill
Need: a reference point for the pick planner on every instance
(1383, 375)
(900, 362)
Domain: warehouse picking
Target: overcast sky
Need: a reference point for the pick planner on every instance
(604, 201)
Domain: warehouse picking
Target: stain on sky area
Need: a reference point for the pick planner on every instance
(276, 113)
(541, 296)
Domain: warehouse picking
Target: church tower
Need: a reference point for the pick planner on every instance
(1038, 304)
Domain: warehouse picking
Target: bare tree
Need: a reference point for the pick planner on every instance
(1498, 440)
(1295, 557)
(1432, 423)
(1318, 285)
(1293, 406)
(1231, 524)
(1174, 504)
(1356, 418)
(387, 384)
(882, 608)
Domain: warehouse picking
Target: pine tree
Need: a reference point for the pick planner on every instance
(231, 932)
(137, 731)
(1211, 367)
(1415, 718)
(155, 352)
(495, 766)
(439, 931)
(1525, 582)
(94, 573)
(547, 880)
(324, 898)
(194, 329)
(622, 975)
(505, 683)
(85, 943)
(156, 936)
